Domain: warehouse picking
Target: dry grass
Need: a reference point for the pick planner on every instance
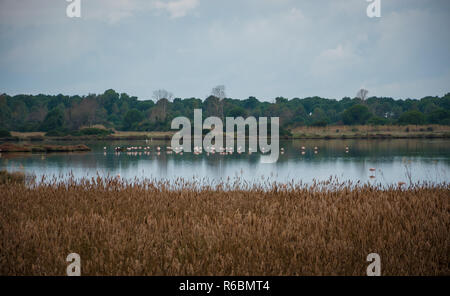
(363, 131)
(160, 228)
(27, 135)
(8, 147)
(12, 178)
(149, 135)
(118, 135)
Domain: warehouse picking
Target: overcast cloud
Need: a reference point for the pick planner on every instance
(262, 48)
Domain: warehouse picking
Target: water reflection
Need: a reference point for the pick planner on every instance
(393, 160)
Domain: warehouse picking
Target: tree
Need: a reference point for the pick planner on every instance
(162, 94)
(237, 112)
(53, 121)
(376, 120)
(159, 111)
(319, 118)
(162, 98)
(439, 116)
(4, 133)
(412, 117)
(5, 112)
(83, 113)
(362, 94)
(132, 118)
(357, 114)
(219, 92)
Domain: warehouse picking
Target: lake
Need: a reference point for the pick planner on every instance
(416, 160)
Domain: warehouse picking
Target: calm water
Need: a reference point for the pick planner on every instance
(394, 160)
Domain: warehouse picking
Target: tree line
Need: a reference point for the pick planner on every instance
(59, 114)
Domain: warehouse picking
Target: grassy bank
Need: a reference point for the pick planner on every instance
(117, 136)
(372, 132)
(173, 229)
(8, 147)
(328, 132)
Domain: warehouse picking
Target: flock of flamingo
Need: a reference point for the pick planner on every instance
(146, 150)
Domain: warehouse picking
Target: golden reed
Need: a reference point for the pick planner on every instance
(181, 228)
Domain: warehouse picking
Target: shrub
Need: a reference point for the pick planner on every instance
(375, 120)
(357, 114)
(4, 133)
(412, 117)
(320, 123)
(57, 133)
(94, 131)
(53, 121)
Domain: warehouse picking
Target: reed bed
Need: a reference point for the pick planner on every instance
(182, 228)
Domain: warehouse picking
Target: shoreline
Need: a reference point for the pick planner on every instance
(300, 133)
(27, 148)
(168, 138)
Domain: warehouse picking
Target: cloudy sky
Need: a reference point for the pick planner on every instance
(262, 48)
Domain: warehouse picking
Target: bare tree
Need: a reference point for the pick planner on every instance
(362, 94)
(162, 98)
(219, 92)
(83, 113)
(162, 94)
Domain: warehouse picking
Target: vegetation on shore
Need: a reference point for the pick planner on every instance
(67, 115)
(8, 147)
(372, 132)
(328, 132)
(12, 178)
(161, 228)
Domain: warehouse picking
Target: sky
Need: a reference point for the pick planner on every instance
(261, 48)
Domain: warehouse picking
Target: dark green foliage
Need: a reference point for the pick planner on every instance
(57, 133)
(53, 121)
(439, 116)
(412, 117)
(357, 114)
(92, 132)
(4, 133)
(320, 123)
(375, 120)
(132, 119)
(62, 115)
